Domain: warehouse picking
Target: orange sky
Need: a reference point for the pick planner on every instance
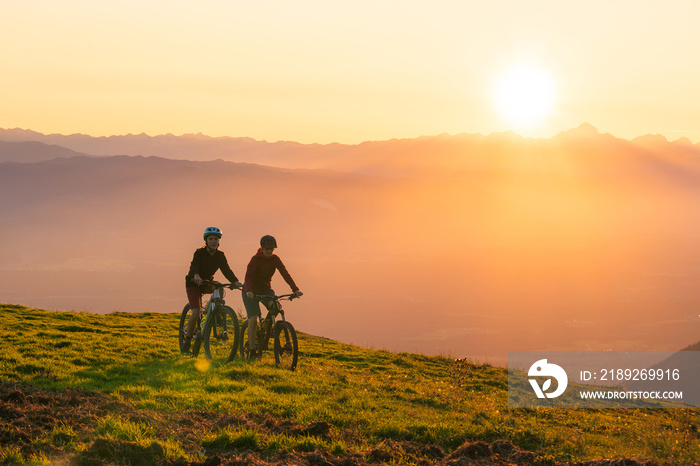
(315, 71)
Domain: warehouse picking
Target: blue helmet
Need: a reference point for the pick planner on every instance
(268, 242)
(212, 231)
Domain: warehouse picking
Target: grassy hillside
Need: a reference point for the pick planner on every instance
(113, 389)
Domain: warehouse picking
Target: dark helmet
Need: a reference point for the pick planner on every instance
(212, 231)
(268, 242)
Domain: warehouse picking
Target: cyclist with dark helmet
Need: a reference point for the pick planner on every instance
(205, 262)
(258, 281)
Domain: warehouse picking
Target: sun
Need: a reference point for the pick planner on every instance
(524, 96)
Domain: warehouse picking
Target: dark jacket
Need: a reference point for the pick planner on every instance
(206, 265)
(258, 276)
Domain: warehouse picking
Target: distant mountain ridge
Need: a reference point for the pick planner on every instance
(195, 147)
(693, 347)
(33, 151)
(397, 157)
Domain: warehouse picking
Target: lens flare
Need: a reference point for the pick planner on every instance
(202, 365)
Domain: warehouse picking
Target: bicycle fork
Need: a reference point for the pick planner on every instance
(264, 333)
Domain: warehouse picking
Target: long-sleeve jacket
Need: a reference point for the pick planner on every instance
(206, 265)
(258, 276)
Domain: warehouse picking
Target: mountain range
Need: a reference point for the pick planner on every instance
(467, 245)
(589, 150)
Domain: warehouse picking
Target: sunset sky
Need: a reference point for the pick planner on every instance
(341, 71)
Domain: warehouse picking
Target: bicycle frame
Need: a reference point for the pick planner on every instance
(274, 309)
(211, 304)
(273, 326)
(206, 324)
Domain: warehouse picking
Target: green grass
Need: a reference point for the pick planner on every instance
(367, 396)
(116, 428)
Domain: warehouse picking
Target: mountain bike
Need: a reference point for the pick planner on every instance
(282, 332)
(216, 329)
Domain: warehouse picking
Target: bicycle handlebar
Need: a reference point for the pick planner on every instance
(231, 286)
(288, 297)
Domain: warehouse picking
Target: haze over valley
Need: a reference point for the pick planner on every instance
(465, 245)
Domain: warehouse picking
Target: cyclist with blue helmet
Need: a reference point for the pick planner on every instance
(206, 261)
(258, 281)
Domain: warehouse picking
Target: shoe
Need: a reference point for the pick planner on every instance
(254, 355)
(186, 346)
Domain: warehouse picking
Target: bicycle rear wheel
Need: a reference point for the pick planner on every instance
(184, 318)
(221, 335)
(286, 348)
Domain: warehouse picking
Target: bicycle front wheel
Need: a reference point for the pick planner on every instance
(286, 348)
(221, 335)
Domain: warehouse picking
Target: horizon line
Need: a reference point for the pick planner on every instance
(585, 126)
